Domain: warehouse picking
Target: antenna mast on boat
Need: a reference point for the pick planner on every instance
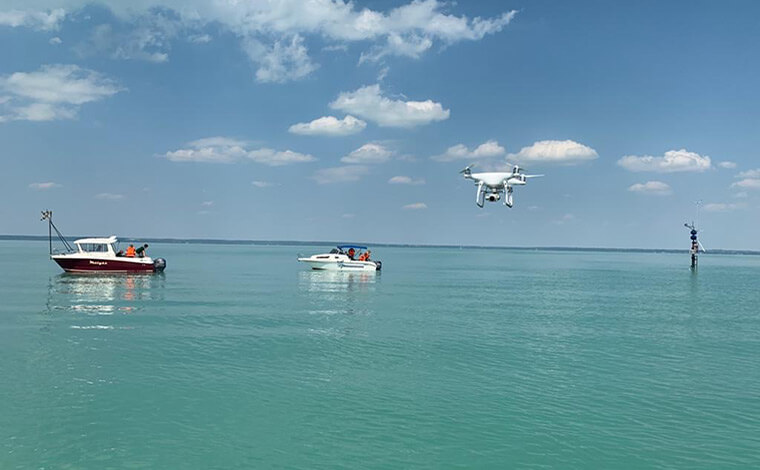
(48, 215)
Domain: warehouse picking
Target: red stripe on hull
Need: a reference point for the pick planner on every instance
(106, 266)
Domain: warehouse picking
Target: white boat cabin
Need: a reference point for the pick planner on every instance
(101, 246)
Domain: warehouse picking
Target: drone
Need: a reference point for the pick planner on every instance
(492, 184)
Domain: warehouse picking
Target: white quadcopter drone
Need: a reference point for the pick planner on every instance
(492, 184)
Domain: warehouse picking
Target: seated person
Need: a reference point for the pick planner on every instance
(130, 251)
(351, 253)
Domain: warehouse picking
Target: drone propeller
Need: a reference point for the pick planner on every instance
(467, 168)
(533, 176)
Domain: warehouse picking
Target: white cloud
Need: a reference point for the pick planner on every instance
(55, 41)
(727, 164)
(41, 20)
(749, 174)
(747, 183)
(330, 126)
(406, 180)
(278, 158)
(348, 216)
(341, 174)
(207, 203)
(555, 151)
(488, 149)
(280, 27)
(109, 196)
(262, 184)
(147, 38)
(672, 161)
(656, 188)
(52, 92)
(228, 150)
(283, 61)
(368, 153)
(723, 207)
(415, 206)
(44, 186)
(369, 103)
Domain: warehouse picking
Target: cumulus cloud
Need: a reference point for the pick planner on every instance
(727, 165)
(723, 207)
(52, 92)
(672, 161)
(330, 126)
(485, 150)
(406, 180)
(44, 186)
(369, 103)
(285, 60)
(274, 34)
(555, 151)
(747, 183)
(415, 206)
(54, 41)
(36, 19)
(749, 174)
(109, 196)
(262, 184)
(368, 153)
(340, 174)
(228, 150)
(656, 188)
(278, 158)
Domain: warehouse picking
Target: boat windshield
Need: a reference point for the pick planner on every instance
(93, 247)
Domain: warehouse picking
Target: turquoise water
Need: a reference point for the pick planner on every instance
(238, 357)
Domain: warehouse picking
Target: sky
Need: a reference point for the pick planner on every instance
(349, 121)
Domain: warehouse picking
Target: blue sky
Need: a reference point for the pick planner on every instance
(349, 121)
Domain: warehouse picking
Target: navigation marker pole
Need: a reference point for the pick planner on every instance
(695, 245)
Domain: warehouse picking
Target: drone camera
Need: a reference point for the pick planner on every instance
(493, 197)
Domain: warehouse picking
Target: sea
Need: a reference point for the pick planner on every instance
(238, 356)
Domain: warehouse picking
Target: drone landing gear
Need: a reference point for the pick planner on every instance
(481, 196)
(508, 197)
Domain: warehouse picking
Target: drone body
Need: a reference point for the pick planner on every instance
(491, 185)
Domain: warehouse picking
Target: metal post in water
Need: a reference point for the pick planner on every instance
(694, 250)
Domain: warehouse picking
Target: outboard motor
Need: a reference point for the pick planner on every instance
(378, 265)
(159, 264)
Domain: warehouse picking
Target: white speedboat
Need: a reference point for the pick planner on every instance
(343, 258)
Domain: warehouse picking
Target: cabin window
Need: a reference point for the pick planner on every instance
(94, 248)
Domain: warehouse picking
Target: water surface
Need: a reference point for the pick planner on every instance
(239, 357)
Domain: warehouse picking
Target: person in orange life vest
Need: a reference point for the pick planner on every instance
(130, 251)
(363, 257)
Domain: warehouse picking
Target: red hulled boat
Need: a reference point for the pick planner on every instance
(99, 255)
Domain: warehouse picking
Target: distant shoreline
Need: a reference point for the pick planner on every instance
(213, 241)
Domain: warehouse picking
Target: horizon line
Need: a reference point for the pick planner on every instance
(223, 241)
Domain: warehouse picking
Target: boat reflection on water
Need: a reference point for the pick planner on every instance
(338, 292)
(103, 294)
